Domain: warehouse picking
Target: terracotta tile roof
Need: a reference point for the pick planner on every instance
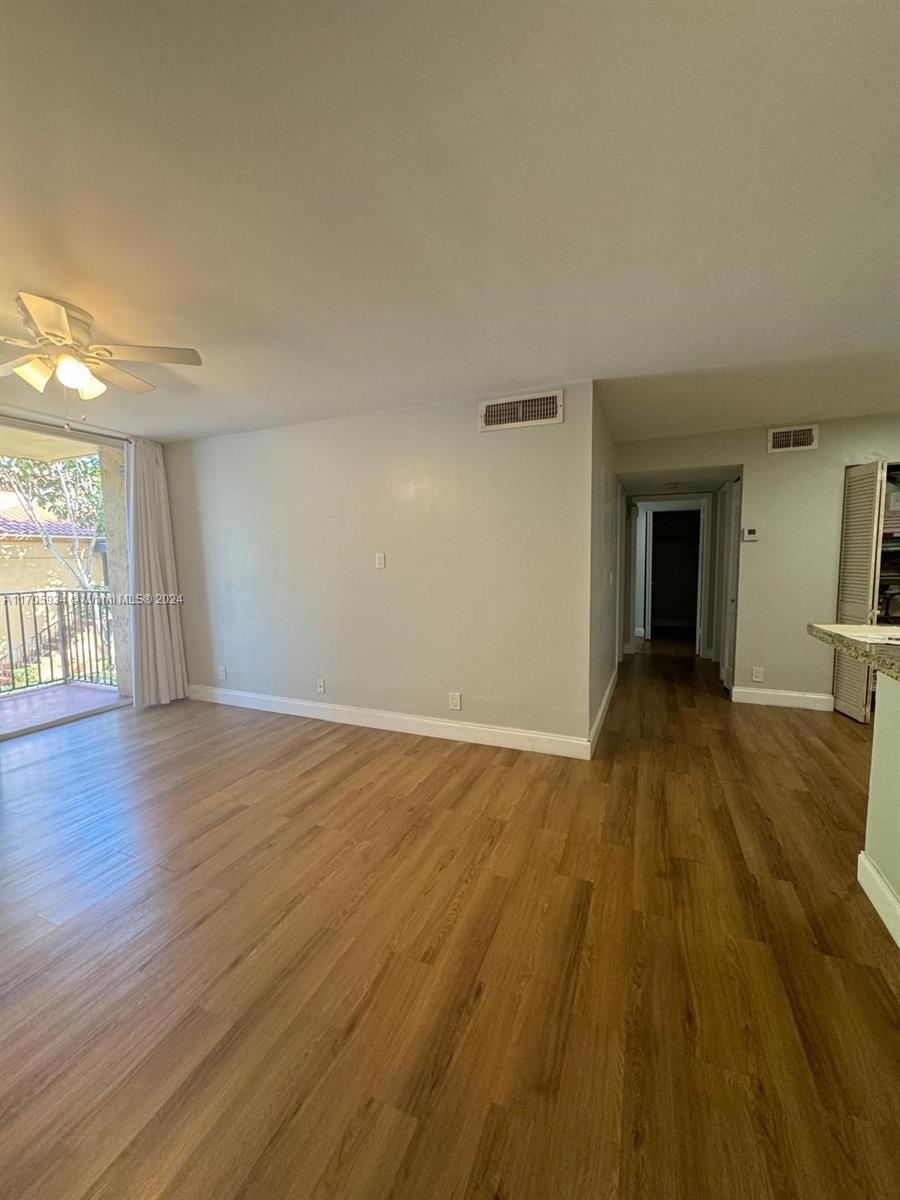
(15, 521)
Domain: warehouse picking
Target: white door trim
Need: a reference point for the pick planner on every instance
(732, 569)
(648, 576)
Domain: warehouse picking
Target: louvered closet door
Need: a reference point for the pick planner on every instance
(858, 579)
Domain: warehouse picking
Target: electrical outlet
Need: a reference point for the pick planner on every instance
(757, 674)
(455, 701)
(221, 674)
(379, 560)
(320, 686)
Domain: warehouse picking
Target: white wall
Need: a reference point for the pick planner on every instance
(488, 548)
(789, 577)
(605, 532)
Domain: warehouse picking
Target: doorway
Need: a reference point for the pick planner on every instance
(672, 571)
(682, 542)
(64, 639)
(673, 563)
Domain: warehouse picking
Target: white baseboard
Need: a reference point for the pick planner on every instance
(639, 632)
(750, 695)
(884, 899)
(604, 708)
(374, 718)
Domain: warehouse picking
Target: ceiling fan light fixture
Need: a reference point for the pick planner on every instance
(59, 342)
(36, 372)
(72, 373)
(92, 390)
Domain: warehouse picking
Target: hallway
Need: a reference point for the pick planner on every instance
(246, 956)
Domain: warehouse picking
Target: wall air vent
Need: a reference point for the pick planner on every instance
(543, 408)
(793, 437)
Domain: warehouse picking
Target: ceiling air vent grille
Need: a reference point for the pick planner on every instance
(795, 437)
(543, 408)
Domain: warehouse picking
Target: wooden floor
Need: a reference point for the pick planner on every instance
(254, 957)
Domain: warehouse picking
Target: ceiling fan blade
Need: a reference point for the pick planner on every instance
(35, 371)
(23, 342)
(50, 317)
(118, 377)
(7, 368)
(164, 354)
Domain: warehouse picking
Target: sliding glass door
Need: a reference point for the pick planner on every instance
(64, 617)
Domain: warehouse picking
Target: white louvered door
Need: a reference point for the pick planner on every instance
(858, 579)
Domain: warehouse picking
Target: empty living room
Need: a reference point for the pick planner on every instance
(450, 600)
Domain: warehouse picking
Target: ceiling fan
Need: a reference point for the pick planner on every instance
(60, 345)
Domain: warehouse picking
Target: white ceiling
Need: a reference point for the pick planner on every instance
(738, 398)
(678, 482)
(368, 205)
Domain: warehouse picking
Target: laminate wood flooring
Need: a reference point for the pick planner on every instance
(246, 956)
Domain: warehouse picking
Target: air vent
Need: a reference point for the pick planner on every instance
(795, 437)
(543, 408)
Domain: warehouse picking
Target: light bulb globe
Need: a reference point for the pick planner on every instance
(92, 390)
(71, 373)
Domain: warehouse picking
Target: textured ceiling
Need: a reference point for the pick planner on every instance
(355, 206)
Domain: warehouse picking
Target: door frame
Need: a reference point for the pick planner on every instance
(719, 600)
(629, 576)
(700, 502)
(730, 574)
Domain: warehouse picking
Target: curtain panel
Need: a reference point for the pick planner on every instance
(159, 670)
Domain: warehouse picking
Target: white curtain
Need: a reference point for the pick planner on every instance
(160, 674)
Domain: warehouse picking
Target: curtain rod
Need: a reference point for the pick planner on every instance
(82, 434)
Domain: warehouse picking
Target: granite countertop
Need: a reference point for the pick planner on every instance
(867, 643)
